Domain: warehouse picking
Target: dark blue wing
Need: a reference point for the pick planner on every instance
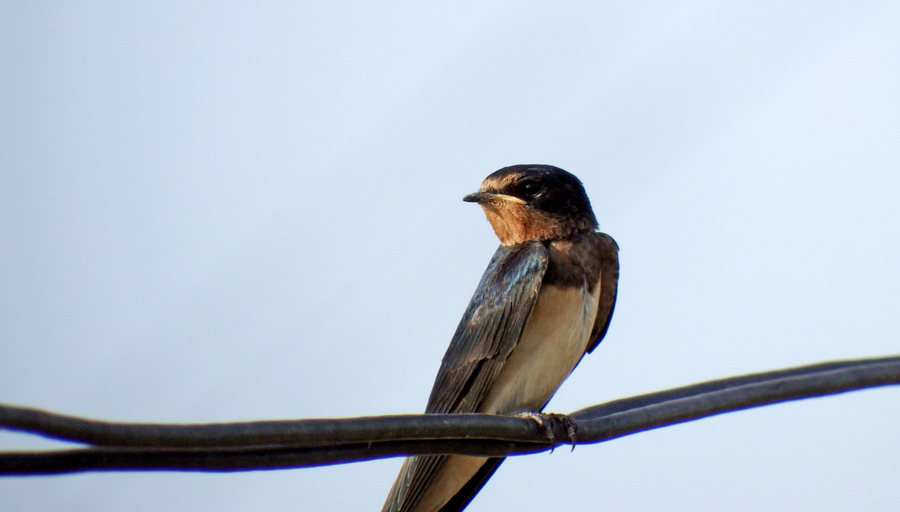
(487, 334)
(490, 328)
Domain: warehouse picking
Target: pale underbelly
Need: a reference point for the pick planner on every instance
(552, 343)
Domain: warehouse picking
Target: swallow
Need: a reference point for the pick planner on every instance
(545, 300)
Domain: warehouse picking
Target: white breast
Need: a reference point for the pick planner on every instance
(552, 343)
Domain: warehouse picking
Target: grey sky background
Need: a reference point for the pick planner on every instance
(218, 211)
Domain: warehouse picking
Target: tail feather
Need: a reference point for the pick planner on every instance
(407, 493)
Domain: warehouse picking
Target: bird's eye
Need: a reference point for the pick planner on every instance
(531, 188)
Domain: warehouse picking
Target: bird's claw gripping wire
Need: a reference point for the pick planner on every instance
(545, 421)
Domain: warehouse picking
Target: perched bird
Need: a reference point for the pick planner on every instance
(544, 301)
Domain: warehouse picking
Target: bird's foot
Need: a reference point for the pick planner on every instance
(545, 421)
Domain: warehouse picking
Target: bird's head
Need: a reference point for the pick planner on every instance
(534, 202)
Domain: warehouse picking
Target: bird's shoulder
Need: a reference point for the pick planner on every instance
(511, 281)
(580, 259)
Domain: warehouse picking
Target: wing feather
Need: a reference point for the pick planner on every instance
(488, 332)
(490, 328)
(608, 255)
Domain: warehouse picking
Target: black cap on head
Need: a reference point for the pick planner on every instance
(545, 188)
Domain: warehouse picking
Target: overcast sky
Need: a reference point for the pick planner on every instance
(222, 211)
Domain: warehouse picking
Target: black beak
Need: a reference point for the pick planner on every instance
(476, 197)
(487, 197)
